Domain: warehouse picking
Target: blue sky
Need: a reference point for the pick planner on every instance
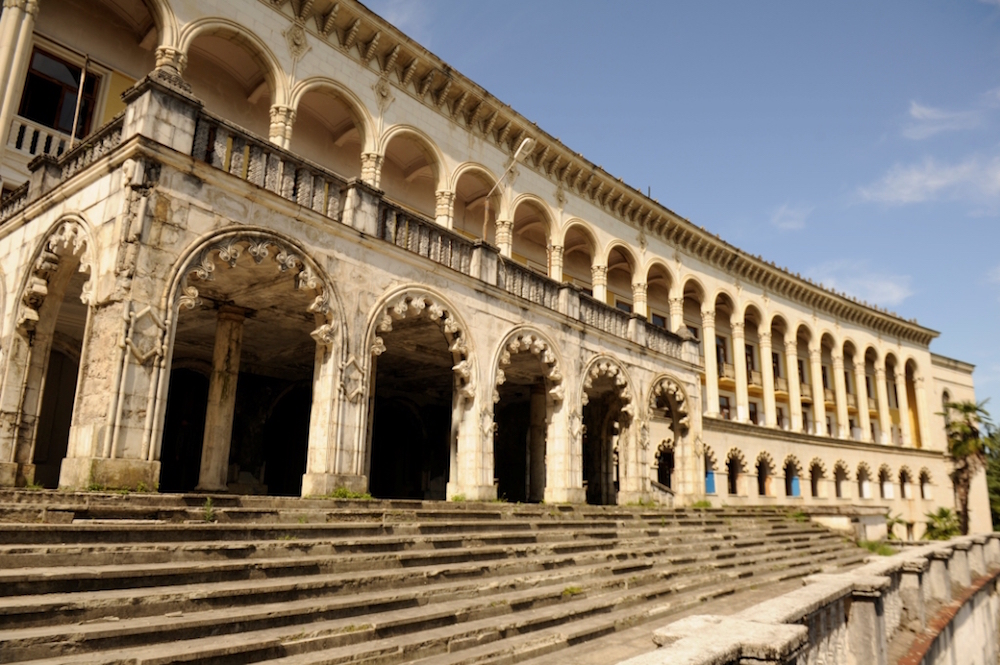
(854, 142)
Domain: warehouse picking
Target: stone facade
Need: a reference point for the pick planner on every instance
(298, 217)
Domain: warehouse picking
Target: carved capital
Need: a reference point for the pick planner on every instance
(792, 348)
(599, 275)
(505, 228)
(371, 168)
(765, 338)
(707, 319)
(738, 328)
(167, 57)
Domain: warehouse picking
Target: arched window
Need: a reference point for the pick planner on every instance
(792, 487)
(925, 485)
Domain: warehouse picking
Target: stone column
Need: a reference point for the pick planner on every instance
(16, 29)
(884, 420)
(740, 366)
(371, 168)
(711, 363)
(923, 419)
(221, 399)
(599, 281)
(767, 377)
(816, 374)
(840, 388)
(861, 391)
(903, 405)
(866, 630)
(505, 236)
(676, 314)
(640, 305)
(556, 262)
(794, 391)
(282, 120)
(536, 443)
(444, 211)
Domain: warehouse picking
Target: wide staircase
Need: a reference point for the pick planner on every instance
(157, 579)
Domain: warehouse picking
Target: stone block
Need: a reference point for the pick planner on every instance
(320, 484)
(81, 473)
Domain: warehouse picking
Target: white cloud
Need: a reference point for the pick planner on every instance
(856, 278)
(926, 121)
(789, 218)
(975, 180)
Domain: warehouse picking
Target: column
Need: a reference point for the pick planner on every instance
(504, 236)
(171, 59)
(444, 211)
(677, 314)
(556, 262)
(922, 416)
(282, 119)
(816, 374)
(861, 390)
(711, 363)
(640, 305)
(371, 168)
(599, 282)
(794, 391)
(884, 420)
(536, 443)
(840, 388)
(740, 366)
(221, 399)
(767, 377)
(903, 404)
(16, 29)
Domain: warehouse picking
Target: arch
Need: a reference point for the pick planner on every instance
(792, 469)
(694, 288)
(864, 476)
(419, 302)
(606, 366)
(470, 167)
(817, 463)
(357, 109)
(711, 462)
(531, 232)
(751, 310)
(817, 472)
(71, 233)
(905, 482)
(737, 455)
(470, 183)
(925, 484)
(658, 264)
(841, 476)
(777, 319)
(735, 467)
(626, 251)
(608, 412)
(254, 45)
(669, 389)
(665, 463)
(538, 344)
(728, 299)
(764, 466)
(425, 142)
(885, 481)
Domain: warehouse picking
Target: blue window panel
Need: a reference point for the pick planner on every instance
(710, 482)
(795, 486)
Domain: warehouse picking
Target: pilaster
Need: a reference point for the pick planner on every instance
(711, 363)
(740, 367)
(816, 374)
(767, 378)
(840, 388)
(794, 387)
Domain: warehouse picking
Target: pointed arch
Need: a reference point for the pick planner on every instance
(529, 339)
(668, 393)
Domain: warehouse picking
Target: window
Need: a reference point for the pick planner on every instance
(753, 413)
(50, 92)
(868, 386)
(751, 358)
(829, 426)
(657, 320)
(724, 406)
(826, 380)
(805, 419)
(694, 332)
(720, 350)
(623, 305)
(802, 371)
(776, 363)
(779, 412)
(847, 382)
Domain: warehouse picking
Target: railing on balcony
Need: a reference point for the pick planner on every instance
(95, 146)
(805, 390)
(661, 341)
(872, 404)
(260, 162)
(425, 238)
(31, 139)
(781, 384)
(828, 395)
(727, 371)
(603, 317)
(852, 401)
(528, 284)
(14, 201)
(754, 378)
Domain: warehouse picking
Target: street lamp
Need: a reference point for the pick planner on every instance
(519, 155)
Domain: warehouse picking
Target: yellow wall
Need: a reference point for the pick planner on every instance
(117, 84)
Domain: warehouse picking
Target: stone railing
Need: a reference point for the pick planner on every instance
(852, 400)
(425, 238)
(781, 384)
(30, 139)
(14, 202)
(95, 146)
(907, 608)
(828, 396)
(667, 343)
(603, 317)
(872, 404)
(515, 278)
(260, 162)
(727, 371)
(754, 378)
(805, 390)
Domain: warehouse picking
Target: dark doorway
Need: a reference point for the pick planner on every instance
(183, 431)
(286, 442)
(602, 417)
(55, 418)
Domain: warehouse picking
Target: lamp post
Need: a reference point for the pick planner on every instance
(519, 155)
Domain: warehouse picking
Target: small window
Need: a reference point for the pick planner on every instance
(657, 320)
(779, 413)
(751, 358)
(721, 352)
(623, 305)
(802, 371)
(50, 91)
(694, 332)
(826, 379)
(868, 386)
(753, 413)
(776, 363)
(724, 407)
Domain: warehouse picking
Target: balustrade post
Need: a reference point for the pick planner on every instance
(162, 108)
(361, 207)
(485, 262)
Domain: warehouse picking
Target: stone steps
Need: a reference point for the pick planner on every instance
(382, 582)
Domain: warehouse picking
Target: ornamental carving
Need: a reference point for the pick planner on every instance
(668, 395)
(69, 239)
(606, 367)
(411, 305)
(539, 347)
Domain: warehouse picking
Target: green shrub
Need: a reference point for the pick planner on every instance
(877, 547)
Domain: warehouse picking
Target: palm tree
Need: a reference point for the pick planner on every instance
(967, 426)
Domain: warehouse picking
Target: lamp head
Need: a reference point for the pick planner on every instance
(524, 149)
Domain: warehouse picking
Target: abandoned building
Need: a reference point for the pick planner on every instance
(277, 247)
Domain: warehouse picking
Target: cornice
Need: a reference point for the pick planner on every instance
(355, 30)
(952, 363)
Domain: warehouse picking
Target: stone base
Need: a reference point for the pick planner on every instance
(320, 484)
(472, 492)
(634, 498)
(8, 474)
(91, 472)
(565, 495)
